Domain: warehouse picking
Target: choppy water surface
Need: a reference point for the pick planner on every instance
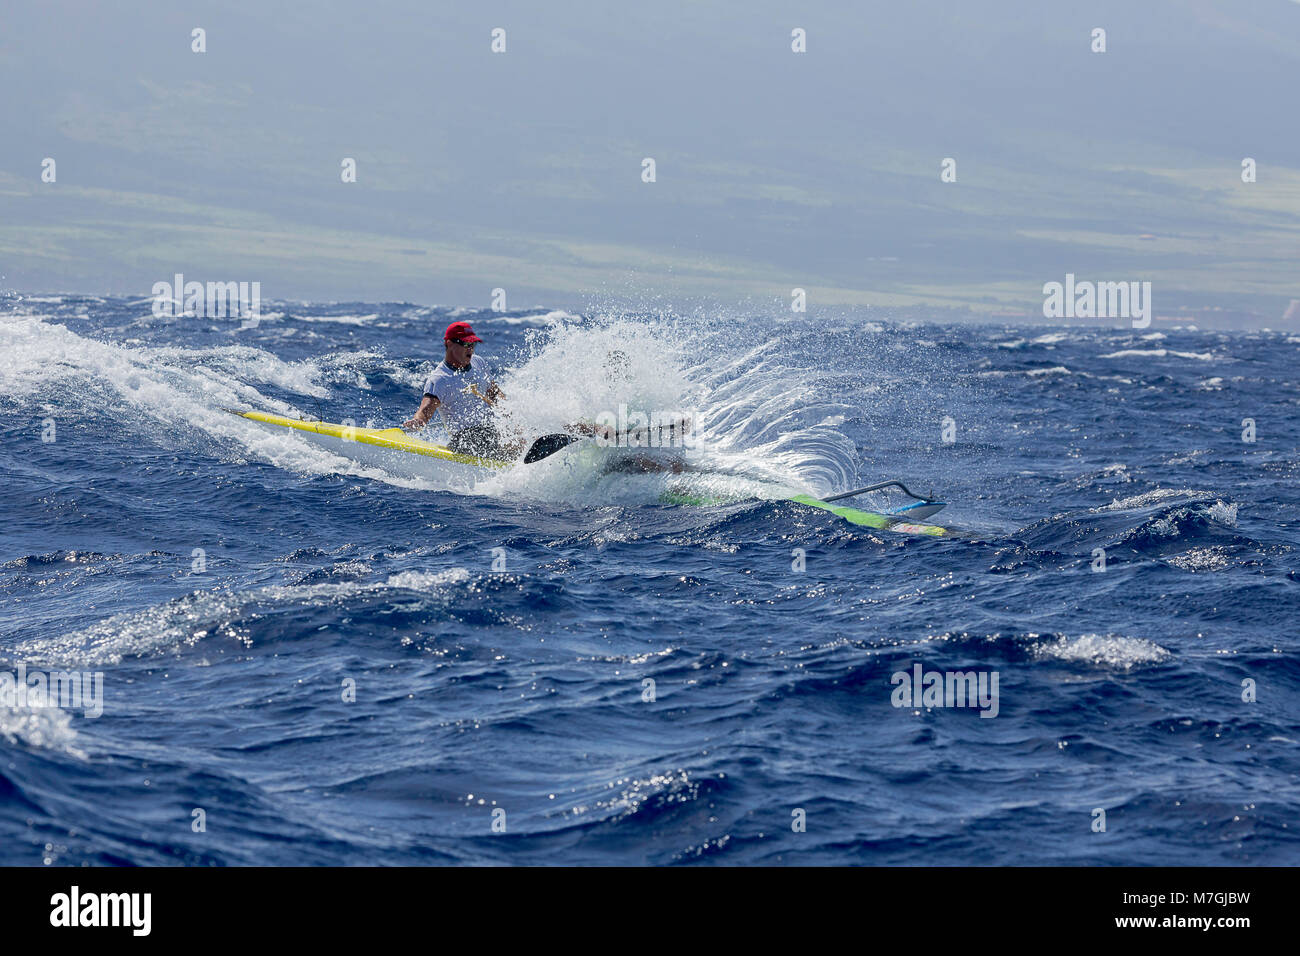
(524, 690)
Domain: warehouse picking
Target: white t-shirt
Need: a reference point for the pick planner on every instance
(460, 407)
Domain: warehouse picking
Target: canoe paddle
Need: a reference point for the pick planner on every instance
(548, 445)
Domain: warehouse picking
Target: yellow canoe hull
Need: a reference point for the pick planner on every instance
(391, 449)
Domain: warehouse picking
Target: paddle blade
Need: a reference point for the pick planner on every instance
(546, 446)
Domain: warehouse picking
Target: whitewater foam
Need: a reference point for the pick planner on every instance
(190, 619)
(1108, 650)
(1161, 353)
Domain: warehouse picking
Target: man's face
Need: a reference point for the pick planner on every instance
(462, 352)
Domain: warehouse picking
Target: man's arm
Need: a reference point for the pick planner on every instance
(428, 405)
(589, 428)
(607, 432)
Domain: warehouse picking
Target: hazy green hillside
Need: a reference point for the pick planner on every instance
(774, 169)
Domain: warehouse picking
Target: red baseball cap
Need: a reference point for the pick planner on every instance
(460, 332)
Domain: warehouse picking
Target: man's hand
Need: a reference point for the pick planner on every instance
(493, 393)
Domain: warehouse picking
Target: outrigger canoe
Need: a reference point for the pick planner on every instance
(404, 455)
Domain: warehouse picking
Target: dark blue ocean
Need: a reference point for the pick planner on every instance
(644, 683)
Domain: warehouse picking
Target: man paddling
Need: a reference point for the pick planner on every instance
(464, 391)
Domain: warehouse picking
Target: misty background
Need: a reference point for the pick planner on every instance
(775, 170)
